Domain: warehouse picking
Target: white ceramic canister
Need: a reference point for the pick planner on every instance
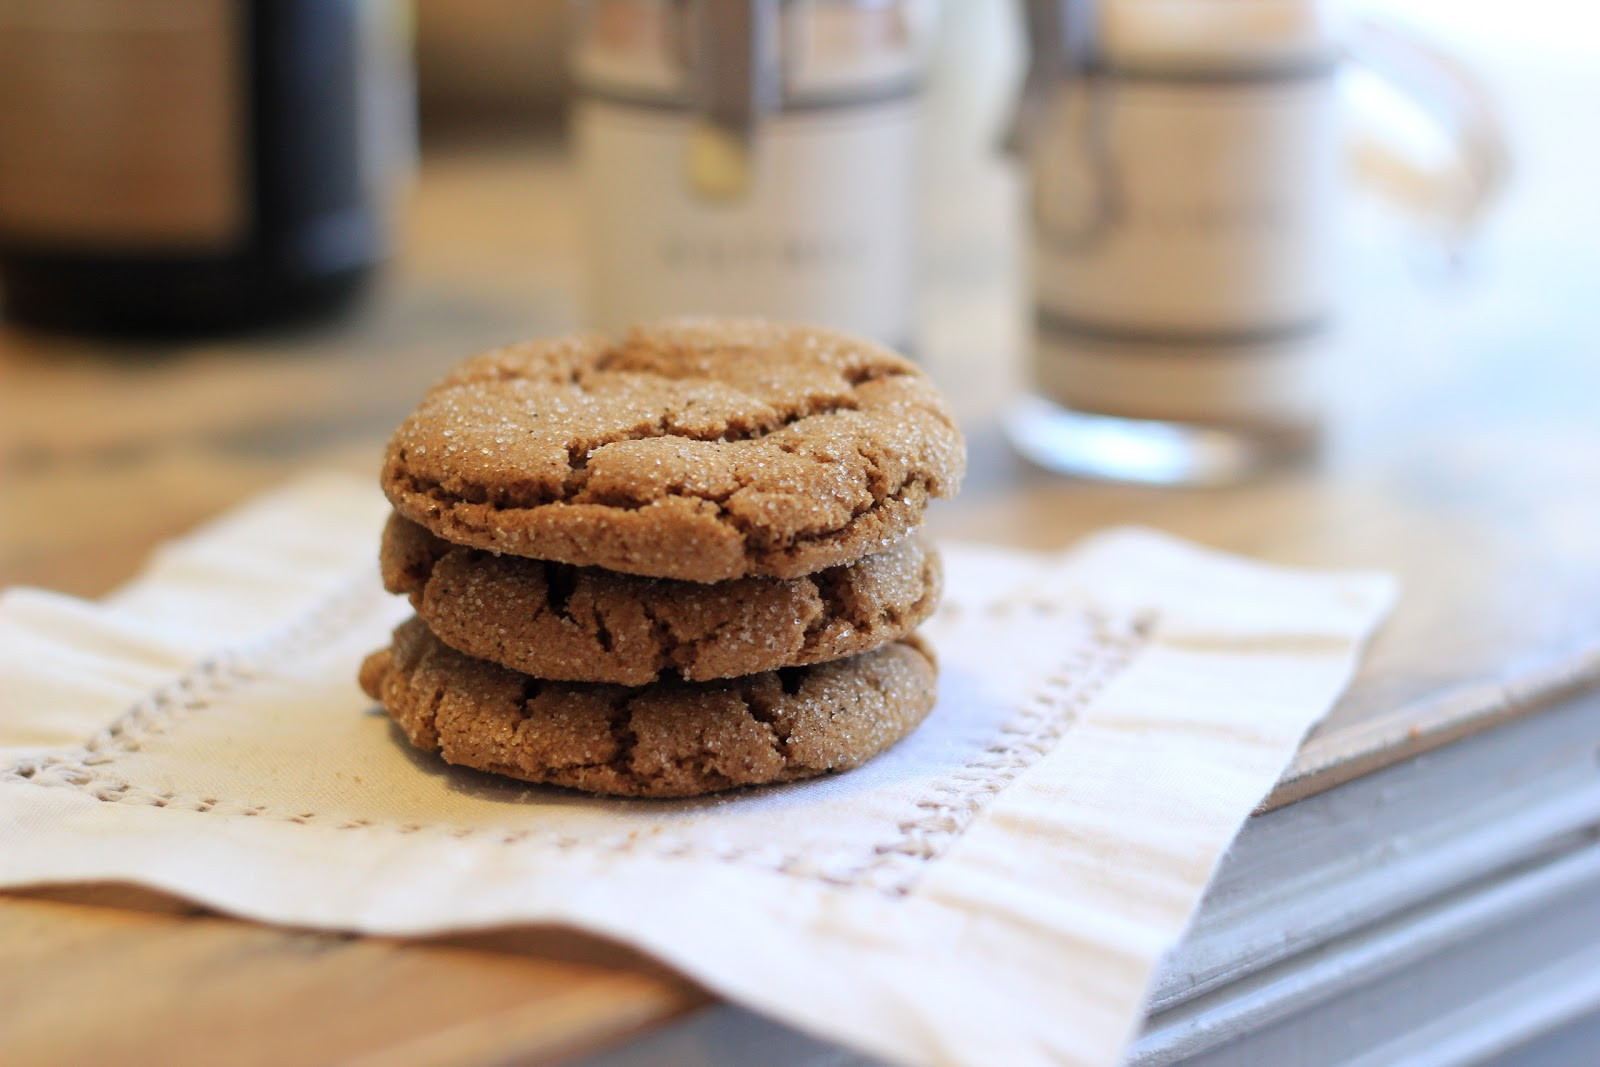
(751, 157)
(1186, 167)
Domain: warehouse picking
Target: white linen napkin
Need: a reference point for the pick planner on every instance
(996, 889)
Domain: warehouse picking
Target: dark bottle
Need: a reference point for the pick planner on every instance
(195, 165)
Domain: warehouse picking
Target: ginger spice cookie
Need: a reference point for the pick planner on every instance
(669, 739)
(701, 450)
(560, 622)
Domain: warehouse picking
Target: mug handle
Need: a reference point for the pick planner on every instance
(1450, 199)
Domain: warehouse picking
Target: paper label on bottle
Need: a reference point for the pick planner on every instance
(121, 123)
(822, 233)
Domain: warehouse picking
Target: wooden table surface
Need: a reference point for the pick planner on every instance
(1464, 456)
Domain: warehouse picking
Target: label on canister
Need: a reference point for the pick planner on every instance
(823, 232)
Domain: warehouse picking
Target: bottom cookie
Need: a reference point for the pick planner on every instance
(668, 739)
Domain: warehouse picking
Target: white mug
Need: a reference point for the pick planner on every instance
(1187, 161)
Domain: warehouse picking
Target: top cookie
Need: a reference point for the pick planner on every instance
(696, 449)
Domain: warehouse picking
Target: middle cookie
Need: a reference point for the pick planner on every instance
(583, 624)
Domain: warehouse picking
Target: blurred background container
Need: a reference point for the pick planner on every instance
(751, 158)
(1188, 166)
(178, 165)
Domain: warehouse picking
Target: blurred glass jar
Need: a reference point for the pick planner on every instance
(751, 157)
(196, 165)
(1186, 162)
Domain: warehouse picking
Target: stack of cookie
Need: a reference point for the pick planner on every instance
(666, 566)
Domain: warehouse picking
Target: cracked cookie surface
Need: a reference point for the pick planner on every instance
(560, 622)
(669, 739)
(701, 450)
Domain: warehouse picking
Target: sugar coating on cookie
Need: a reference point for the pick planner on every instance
(582, 624)
(701, 450)
(669, 739)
